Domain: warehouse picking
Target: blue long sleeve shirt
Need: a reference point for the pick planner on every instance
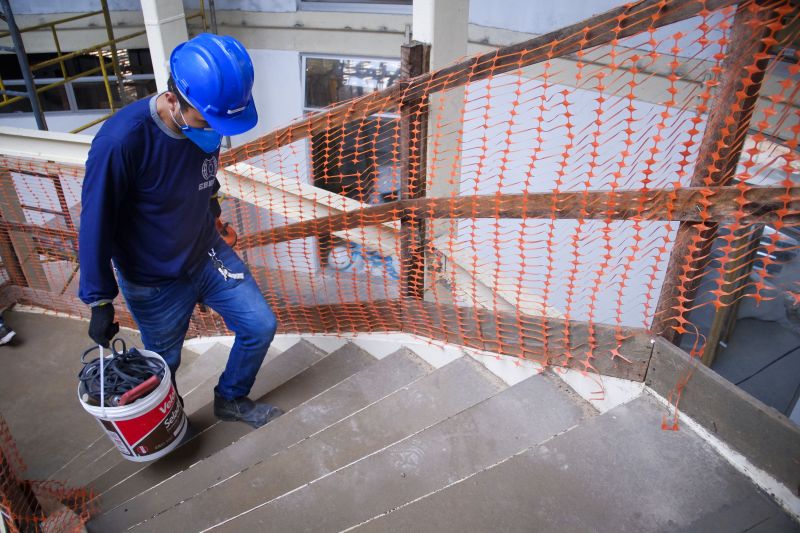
(147, 203)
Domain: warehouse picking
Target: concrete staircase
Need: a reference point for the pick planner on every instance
(395, 439)
(386, 432)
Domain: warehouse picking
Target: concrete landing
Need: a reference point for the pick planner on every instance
(39, 375)
(617, 472)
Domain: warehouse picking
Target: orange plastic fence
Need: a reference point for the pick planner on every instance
(560, 200)
(27, 505)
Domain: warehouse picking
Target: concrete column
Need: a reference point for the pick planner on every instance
(442, 24)
(165, 23)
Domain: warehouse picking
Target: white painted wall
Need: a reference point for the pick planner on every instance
(56, 121)
(34, 7)
(278, 94)
(535, 16)
(497, 158)
(278, 89)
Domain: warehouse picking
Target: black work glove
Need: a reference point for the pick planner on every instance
(102, 327)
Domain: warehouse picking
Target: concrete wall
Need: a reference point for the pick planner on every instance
(534, 16)
(23, 7)
(498, 159)
(60, 121)
(279, 100)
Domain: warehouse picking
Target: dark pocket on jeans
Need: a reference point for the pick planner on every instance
(134, 292)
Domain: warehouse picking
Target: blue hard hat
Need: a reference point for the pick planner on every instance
(215, 74)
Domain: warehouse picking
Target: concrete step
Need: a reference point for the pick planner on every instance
(207, 366)
(326, 373)
(522, 416)
(358, 391)
(423, 403)
(215, 434)
(616, 472)
(102, 455)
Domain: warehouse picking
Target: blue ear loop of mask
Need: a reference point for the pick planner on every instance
(206, 138)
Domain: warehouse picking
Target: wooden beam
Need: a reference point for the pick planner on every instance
(736, 272)
(692, 204)
(306, 203)
(415, 61)
(728, 122)
(618, 23)
(21, 240)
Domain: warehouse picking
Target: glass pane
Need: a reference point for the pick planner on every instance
(329, 81)
(138, 89)
(93, 95)
(54, 99)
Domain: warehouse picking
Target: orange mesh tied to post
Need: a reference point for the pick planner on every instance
(561, 200)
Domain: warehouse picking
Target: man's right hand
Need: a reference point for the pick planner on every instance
(102, 327)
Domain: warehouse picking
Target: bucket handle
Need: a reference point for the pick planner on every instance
(102, 381)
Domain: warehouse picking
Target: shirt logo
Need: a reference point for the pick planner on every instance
(209, 171)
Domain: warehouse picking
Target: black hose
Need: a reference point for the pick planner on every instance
(123, 371)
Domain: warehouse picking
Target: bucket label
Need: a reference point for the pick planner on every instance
(156, 429)
(111, 431)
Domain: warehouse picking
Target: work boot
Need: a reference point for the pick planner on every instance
(6, 334)
(245, 410)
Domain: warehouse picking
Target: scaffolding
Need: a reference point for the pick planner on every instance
(109, 61)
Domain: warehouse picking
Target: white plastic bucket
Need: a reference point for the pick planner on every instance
(150, 427)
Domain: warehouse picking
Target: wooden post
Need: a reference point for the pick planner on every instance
(413, 149)
(726, 128)
(24, 247)
(736, 272)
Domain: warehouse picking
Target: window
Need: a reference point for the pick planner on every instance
(331, 80)
(87, 93)
(357, 160)
(400, 7)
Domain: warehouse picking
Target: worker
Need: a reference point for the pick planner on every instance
(6, 333)
(149, 207)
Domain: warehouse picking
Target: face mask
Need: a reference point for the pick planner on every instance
(207, 139)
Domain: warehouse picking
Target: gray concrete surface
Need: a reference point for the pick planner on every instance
(767, 438)
(38, 389)
(616, 472)
(327, 372)
(516, 419)
(754, 344)
(437, 396)
(214, 435)
(195, 373)
(360, 390)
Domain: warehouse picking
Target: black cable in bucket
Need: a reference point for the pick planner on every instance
(123, 372)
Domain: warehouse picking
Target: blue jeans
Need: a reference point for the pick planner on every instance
(163, 312)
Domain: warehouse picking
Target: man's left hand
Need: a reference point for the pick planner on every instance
(227, 232)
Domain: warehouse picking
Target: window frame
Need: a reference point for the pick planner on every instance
(354, 7)
(303, 57)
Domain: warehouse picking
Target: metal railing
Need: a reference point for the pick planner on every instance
(108, 62)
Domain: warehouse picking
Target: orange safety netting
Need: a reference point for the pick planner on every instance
(560, 200)
(27, 505)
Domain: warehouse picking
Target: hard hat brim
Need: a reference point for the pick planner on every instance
(241, 122)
